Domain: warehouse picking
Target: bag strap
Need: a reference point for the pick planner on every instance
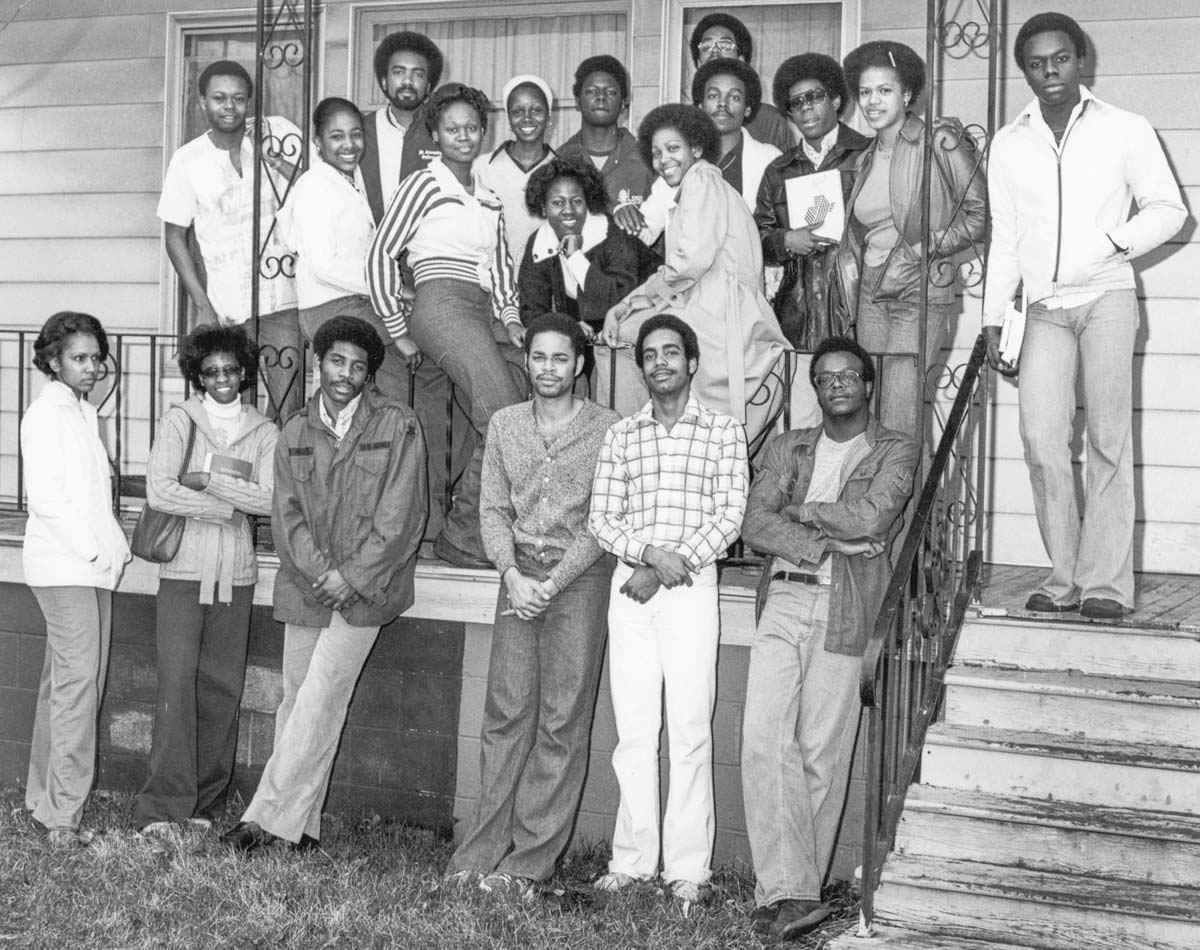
(191, 442)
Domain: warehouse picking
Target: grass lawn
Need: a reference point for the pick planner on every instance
(373, 884)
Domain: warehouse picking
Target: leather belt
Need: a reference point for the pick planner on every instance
(797, 578)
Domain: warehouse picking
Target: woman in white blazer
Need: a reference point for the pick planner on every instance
(73, 556)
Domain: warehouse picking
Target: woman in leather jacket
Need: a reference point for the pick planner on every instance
(880, 261)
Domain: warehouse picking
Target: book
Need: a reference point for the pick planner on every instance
(1012, 332)
(228, 465)
(815, 201)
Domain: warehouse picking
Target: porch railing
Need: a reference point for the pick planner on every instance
(936, 576)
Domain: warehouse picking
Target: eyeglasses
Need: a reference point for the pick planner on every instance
(847, 377)
(216, 372)
(811, 98)
(724, 44)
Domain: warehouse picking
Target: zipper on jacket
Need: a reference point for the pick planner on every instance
(1058, 154)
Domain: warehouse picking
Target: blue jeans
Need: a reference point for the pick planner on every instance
(427, 391)
(537, 721)
(893, 326)
(801, 717)
(1095, 558)
(452, 323)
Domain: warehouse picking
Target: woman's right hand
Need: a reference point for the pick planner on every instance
(409, 352)
(611, 334)
(629, 220)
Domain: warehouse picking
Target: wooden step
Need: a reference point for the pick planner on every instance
(892, 938)
(1037, 765)
(1096, 707)
(1123, 843)
(1135, 652)
(1041, 909)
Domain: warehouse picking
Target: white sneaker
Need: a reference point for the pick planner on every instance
(160, 829)
(464, 878)
(200, 824)
(613, 881)
(687, 891)
(500, 884)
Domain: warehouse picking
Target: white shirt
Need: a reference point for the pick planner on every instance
(203, 188)
(328, 223)
(574, 267)
(390, 137)
(504, 178)
(341, 425)
(817, 156)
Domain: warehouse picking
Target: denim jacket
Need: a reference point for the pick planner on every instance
(868, 507)
(957, 215)
(358, 505)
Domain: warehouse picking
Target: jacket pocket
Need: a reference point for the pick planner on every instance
(302, 467)
(369, 472)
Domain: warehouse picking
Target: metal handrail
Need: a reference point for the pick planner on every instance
(936, 576)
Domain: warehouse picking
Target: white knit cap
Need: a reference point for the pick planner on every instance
(523, 79)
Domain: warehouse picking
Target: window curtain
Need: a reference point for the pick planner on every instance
(778, 31)
(487, 52)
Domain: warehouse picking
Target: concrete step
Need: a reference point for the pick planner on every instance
(975, 901)
(1123, 843)
(892, 938)
(1135, 652)
(1067, 768)
(1063, 703)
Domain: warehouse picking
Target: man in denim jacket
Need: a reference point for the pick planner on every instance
(825, 503)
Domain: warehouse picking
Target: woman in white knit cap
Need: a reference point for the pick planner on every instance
(528, 102)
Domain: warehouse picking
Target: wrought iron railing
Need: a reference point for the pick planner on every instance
(936, 577)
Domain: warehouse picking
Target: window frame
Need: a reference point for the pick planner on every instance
(181, 26)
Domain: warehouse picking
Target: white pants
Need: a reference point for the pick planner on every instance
(671, 640)
(320, 668)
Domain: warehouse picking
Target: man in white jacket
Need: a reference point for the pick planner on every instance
(1061, 177)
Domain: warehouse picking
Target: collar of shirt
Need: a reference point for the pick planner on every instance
(341, 426)
(818, 155)
(452, 186)
(335, 178)
(1032, 113)
(545, 242)
(691, 411)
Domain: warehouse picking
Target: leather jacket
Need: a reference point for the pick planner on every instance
(957, 215)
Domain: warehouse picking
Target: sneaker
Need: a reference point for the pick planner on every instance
(613, 881)
(499, 884)
(203, 825)
(246, 837)
(67, 839)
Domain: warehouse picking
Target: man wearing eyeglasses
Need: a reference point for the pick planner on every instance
(824, 506)
(812, 88)
(721, 36)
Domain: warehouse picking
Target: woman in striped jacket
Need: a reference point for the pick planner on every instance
(459, 307)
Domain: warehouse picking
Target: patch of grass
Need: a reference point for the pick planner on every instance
(373, 885)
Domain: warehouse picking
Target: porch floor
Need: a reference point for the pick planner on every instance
(1161, 601)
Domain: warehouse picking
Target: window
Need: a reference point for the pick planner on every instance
(780, 28)
(198, 41)
(486, 51)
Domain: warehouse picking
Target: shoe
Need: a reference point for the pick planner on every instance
(613, 881)
(499, 884)
(304, 845)
(197, 823)
(246, 837)
(68, 839)
(689, 892)
(463, 879)
(761, 918)
(1101, 608)
(452, 554)
(798, 917)
(166, 830)
(1040, 603)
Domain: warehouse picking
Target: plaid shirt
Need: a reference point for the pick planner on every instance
(683, 490)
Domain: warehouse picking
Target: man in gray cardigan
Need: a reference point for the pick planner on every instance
(550, 625)
(349, 506)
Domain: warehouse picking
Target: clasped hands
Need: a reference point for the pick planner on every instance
(528, 597)
(663, 568)
(331, 590)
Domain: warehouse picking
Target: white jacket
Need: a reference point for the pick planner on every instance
(1055, 206)
(71, 536)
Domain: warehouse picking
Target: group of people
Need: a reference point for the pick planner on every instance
(645, 254)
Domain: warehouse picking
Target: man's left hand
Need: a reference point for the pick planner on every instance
(331, 590)
(670, 568)
(642, 584)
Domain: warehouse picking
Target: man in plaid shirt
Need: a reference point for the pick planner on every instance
(668, 497)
